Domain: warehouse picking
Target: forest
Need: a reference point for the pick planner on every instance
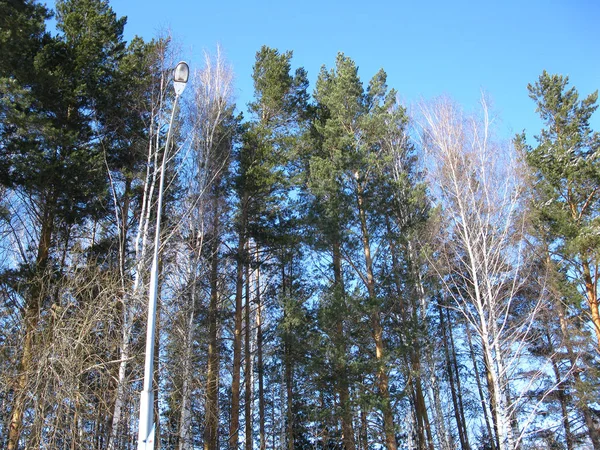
(334, 273)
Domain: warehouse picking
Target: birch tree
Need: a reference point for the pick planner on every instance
(481, 259)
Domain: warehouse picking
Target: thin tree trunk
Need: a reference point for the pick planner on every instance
(420, 406)
(592, 298)
(452, 370)
(562, 396)
(459, 389)
(492, 398)
(340, 369)
(325, 425)
(502, 390)
(586, 412)
(184, 438)
(415, 417)
(446, 441)
(489, 425)
(413, 354)
(364, 429)
(248, 365)
(212, 375)
(259, 351)
(123, 312)
(495, 386)
(234, 427)
(37, 429)
(288, 364)
(282, 409)
(289, 393)
(454, 395)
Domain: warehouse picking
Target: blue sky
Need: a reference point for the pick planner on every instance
(428, 48)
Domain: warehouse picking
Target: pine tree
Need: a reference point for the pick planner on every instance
(280, 98)
(349, 174)
(566, 169)
(566, 162)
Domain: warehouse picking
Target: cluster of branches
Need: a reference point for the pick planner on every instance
(334, 273)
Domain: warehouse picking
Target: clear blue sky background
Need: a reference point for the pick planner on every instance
(428, 48)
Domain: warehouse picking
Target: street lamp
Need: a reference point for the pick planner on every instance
(146, 425)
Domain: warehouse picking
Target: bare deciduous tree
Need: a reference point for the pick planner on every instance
(212, 131)
(481, 258)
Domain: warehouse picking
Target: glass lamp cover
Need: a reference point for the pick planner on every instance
(182, 72)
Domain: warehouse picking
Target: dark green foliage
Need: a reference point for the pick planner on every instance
(124, 111)
(567, 165)
(268, 145)
(52, 146)
(22, 34)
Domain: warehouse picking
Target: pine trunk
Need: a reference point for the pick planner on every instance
(377, 329)
(340, 369)
(234, 427)
(212, 374)
(592, 298)
(289, 393)
(364, 429)
(561, 394)
(288, 365)
(586, 412)
(247, 366)
(420, 406)
(259, 356)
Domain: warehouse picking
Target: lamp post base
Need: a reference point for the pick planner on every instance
(146, 431)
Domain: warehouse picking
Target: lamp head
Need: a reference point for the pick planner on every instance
(181, 75)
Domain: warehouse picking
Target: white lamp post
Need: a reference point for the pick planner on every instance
(146, 425)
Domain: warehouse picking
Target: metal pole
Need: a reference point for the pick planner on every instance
(146, 424)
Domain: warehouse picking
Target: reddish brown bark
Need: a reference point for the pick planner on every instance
(592, 298)
(377, 333)
(212, 372)
(259, 356)
(237, 332)
(247, 367)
